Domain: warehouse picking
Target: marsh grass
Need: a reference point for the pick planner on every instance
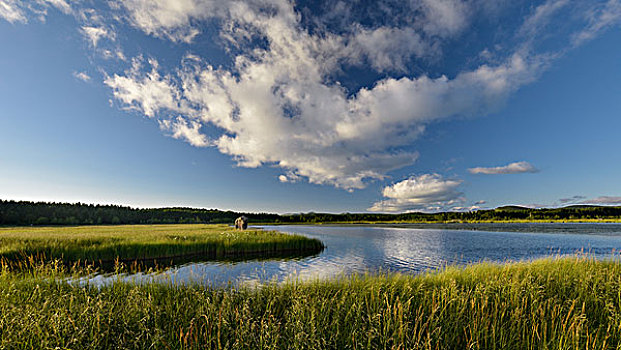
(569, 303)
(107, 244)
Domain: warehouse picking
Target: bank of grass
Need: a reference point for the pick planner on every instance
(571, 303)
(144, 242)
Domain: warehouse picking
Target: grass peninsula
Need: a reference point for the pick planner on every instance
(144, 242)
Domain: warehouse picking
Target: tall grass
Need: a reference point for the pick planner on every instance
(547, 304)
(142, 242)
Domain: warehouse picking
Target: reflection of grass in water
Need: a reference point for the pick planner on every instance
(162, 263)
(105, 244)
(570, 303)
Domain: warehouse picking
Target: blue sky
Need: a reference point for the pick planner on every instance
(269, 105)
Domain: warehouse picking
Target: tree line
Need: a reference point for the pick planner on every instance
(24, 213)
(511, 213)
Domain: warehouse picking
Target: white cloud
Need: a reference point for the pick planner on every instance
(277, 108)
(388, 48)
(62, 5)
(120, 55)
(513, 168)
(541, 17)
(19, 11)
(171, 19)
(94, 34)
(385, 47)
(424, 192)
(39, 8)
(445, 17)
(185, 130)
(11, 12)
(279, 102)
(599, 19)
(82, 76)
(289, 177)
(147, 92)
(331, 138)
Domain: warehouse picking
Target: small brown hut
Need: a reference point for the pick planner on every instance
(241, 223)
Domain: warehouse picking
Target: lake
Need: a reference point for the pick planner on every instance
(408, 248)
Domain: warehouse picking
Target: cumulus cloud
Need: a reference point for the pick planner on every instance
(445, 17)
(185, 130)
(423, 192)
(176, 20)
(94, 34)
(279, 101)
(289, 177)
(171, 19)
(276, 104)
(146, 92)
(115, 54)
(82, 76)
(513, 168)
(388, 48)
(278, 109)
(11, 12)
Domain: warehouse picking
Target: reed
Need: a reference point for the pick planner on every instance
(570, 303)
(144, 242)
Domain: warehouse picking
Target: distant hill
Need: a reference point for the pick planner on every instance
(23, 213)
(512, 208)
(583, 206)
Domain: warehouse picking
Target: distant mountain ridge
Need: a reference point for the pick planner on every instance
(25, 213)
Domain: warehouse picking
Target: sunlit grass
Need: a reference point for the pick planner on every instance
(142, 242)
(571, 303)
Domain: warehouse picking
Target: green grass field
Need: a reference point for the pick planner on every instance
(547, 304)
(143, 242)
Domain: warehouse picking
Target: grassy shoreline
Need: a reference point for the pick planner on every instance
(546, 304)
(144, 242)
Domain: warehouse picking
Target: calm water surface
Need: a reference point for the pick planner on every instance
(406, 249)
